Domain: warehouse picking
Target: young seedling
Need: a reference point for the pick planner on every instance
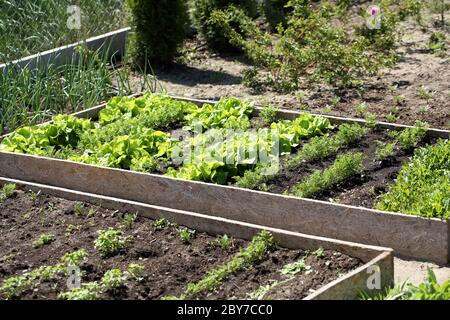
(7, 191)
(319, 253)
(385, 151)
(110, 242)
(371, 120)
(75, 258)
(44, 239)
(294, 268)
(112, 279)
(256, 250)
(128, 220)
(135, 271)
(186, 235)
(78, 209)
(225, 242)
(425, 93)
(88, 291)
(361, 108)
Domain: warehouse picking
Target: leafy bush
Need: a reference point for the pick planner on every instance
(110, 241)
(208, 29)
(275, 12)
(344, 167)
(160, 27)
(423, 185)
(310, 46)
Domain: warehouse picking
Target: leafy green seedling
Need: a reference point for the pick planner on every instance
(74, 258)
(135, 271)
(44, 239)
(112, 279)
(110, 242)
(186, 235)
(225, 242)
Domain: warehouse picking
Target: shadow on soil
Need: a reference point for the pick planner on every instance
(190, 76)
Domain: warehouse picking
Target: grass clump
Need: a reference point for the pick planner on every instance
(430, 289)
(7, 191)
(256, 250)
(110, 242)
(423, 185)
(344, 167)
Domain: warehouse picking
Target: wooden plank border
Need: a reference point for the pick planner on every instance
(410, 236)
(346, 287)
(112, 43)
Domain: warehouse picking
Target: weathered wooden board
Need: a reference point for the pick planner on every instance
(408, 235)
(111, 44)
(348, 286)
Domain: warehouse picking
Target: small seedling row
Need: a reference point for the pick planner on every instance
(353, 171)
(123, 255)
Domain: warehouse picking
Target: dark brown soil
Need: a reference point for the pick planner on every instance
(320, 269)
(169, 263)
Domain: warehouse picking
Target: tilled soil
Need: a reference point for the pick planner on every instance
(170, 264)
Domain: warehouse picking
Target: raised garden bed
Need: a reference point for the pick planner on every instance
(409, 235)
(159, 259)
(111, 44)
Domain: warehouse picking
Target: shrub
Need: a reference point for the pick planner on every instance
(212, 32)
(275, 12)
(160, 27)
